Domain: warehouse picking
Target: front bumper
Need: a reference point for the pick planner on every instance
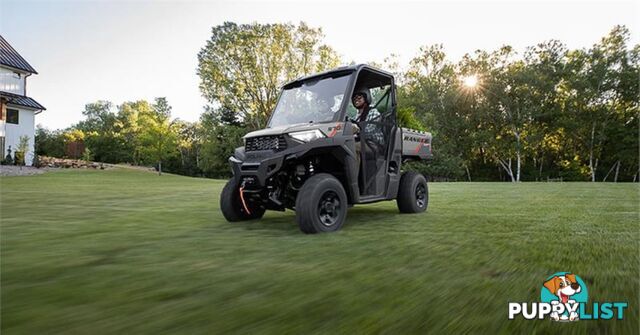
(256, 167)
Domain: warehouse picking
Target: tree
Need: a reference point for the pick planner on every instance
(131, 121)
(219, 139)
(98, 116)
(546, 63)
(598, 95)
(620, 146)
(158, 141)
(104, 134)
(241, 67)
(162, 108)
(87, 155)
(157, 134)
(48, 142)
(429, 93)
(566, 111)
(189, 145)
(22, 150)
(407, 118)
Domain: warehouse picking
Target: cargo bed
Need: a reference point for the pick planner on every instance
(415, 144)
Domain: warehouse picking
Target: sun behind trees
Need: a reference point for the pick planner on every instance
(548, 112)
(552, 112)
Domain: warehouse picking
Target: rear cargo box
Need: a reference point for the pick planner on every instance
(415, 144)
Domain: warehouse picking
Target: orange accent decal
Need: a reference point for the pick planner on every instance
(419, 146)
(244, 204)
(335, 130)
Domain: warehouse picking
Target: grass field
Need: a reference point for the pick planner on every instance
(129, 252)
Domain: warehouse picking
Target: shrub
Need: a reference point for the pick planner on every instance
(87, 155)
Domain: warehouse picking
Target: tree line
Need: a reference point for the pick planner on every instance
(549, 112)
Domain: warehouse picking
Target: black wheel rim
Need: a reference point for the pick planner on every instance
(421, 195)
(329, 208)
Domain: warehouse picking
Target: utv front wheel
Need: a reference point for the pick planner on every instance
(321, 204)
(413, 193)
(231, 205)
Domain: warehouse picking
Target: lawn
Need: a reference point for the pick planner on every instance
(123, 251)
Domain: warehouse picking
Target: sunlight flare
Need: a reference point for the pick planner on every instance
(470, 81)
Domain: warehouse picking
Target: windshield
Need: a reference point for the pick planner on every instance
(314, 101)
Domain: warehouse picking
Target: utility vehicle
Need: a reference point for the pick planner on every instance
(306, 159)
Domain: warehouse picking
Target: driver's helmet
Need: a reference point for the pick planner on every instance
(365, 93)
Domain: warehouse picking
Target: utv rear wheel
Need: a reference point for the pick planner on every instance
(231, 205)
(321, 204)
(413, 193)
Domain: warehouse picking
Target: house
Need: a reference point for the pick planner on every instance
(17, 110)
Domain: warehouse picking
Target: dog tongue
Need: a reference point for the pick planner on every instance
(565, 298)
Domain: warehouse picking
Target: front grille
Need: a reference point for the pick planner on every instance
(275, 143)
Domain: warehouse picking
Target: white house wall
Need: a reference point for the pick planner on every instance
(12, 81)
(25, 126)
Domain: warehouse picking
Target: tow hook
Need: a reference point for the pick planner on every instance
(244, 204)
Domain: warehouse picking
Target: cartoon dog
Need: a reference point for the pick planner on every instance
(564, 287)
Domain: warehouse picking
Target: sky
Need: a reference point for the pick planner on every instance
(129, 50)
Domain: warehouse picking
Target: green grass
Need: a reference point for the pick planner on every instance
(129, 252)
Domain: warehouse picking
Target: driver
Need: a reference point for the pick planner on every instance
(361, 101)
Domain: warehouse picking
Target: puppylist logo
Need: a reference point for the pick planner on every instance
(563, 297)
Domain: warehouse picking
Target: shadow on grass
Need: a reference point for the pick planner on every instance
(356, 216)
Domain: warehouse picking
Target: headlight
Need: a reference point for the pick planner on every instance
(307, 135)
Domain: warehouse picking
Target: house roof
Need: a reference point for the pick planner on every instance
(21, 100)
(11, 58)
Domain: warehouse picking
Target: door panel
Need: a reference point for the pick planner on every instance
(375, 132)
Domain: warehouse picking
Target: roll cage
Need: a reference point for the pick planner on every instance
(361, 75)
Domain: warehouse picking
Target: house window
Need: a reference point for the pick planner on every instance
(12, 116)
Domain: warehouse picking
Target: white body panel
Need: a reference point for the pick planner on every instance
(416, 144)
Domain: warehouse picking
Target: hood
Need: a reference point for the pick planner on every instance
(323, 127)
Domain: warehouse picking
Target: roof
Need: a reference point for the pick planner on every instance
(343, 69)
(21, 100)
(11, 58)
